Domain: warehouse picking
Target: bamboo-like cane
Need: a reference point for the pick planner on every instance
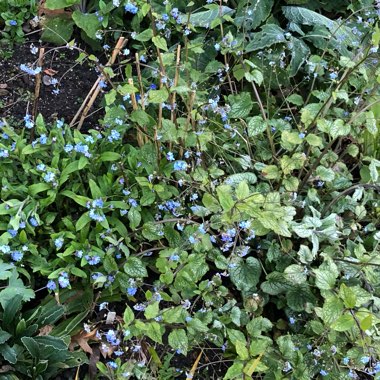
(37, 88)
(178, 60)
(94, 92)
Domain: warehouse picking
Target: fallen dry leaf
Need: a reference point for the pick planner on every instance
(81, 339)
(45, 330)
(50, 72)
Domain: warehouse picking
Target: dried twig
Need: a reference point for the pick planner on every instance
(94, 92)
(37, 88)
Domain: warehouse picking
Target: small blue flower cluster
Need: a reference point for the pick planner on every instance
(131, 8)
(29, 70)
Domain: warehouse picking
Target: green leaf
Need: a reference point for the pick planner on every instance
(4, 336)
(235, 179)
(371, 123)
(298, 296)
(60, 4)
(314, 140)
(225, 197)
(154, 331)
(152, 231)
(134, 267)
(348, 296)
(235, 371)
(325, 174)
(144, 36)
(300, 52)
(325, 279)
(252, 13)
(242, 190)
(160, 42)
(95, 190)
(245, 274)
(81, 200)
(78, 272)
(269, 35)
(134, 218)
(89, 22)
(304, 16)
(11, 310)
(110, 156)
(205, 18)
(5, 272)
(241, 105)
(178, 340)
(343, 323)
(295, 99)
(128, 316)
(82, 221)
(256, 125)
(38, 188)
(15, 286)
(242, 350)
(158, 96)
(32, 346)
(332, 309)
(9, 353)
(152, 310)
(57, 30)
(276, 283)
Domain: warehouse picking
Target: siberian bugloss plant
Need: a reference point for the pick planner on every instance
(228, 199)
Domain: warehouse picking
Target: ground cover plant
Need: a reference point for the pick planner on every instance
(220, 217)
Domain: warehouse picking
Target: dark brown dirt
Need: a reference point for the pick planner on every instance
(74, 82)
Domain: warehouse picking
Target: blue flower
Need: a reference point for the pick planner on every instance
(131, 8)
(345, 360)
(51, 285)
(112, 364)
(33, 222)
(60, 123)
(112, 338)
(12, 232)
(114, 136)
(364, 359)
(131, 291)
(132, 202)
(4, 153)
(43, 139)
(301, 135)
(58, 243)
(49, 177)
(12, 22)
(174, 258)
(97, 203)
(68, 148)
(5, 248)
(41, 167)
(170, 156)
(180, 165)
(63, 280)
(97, 216)
(292, 320)
(201, 229)
(17, 256)
(30, 70)
(93, 260)
(29, 123)
(323, 372)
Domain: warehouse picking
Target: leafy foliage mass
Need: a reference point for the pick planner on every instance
(228, 199)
